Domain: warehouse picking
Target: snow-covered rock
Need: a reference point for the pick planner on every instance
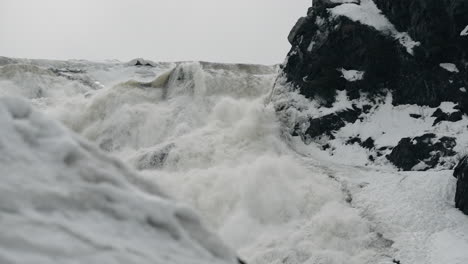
(62, 200)
(355, 63)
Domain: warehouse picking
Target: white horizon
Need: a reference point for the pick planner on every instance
(242, 31)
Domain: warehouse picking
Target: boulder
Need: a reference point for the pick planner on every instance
(461, 195)
(421, 153)
(450, 117)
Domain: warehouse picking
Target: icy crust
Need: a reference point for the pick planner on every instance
(64, 201)
(367, 13)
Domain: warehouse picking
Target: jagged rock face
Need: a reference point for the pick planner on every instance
(325, 125)
(323, 44)
(424, 151)
(413, 52)
(437, 24)
(461, 195)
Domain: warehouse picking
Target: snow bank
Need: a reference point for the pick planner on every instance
(64, 201)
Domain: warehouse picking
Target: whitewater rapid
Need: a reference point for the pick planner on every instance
(209, 136)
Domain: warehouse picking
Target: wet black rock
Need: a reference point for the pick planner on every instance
(461, 195)
(416, 116)
(240, 261)
(424, 151)
(442, 116)
(368, 143)
(327, 124)
(321, 44)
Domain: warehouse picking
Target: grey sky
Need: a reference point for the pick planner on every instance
(252, 31)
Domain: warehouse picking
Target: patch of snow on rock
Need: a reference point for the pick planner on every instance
(464, 32)
(311, 46)
(449, 67)
(352, 75)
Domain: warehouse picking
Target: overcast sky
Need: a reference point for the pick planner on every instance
(253, 31)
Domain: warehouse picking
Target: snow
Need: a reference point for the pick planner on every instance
(368, 14)
(463, 89)
(449, 67)
(311, 46)
(64, 201)
(464, 32)
(352, 75)
(271, 198)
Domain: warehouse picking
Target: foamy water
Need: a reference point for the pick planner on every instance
(208, 136)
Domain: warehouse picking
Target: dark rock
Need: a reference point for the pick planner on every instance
(321, 44)
(366, 108)
(442, 116)
(138, 63)
(368, 143)
(240, 261)
(438, 113)
(353, 140)
(461, 195)
(415, 116)
(426, 148)
(327, 124)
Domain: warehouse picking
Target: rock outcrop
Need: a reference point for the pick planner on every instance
(461, 196)
(411, 51)
(424, 151)
(333, 37)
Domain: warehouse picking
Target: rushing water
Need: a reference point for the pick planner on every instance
(208, 136)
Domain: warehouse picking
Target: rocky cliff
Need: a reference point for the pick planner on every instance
(379, 82)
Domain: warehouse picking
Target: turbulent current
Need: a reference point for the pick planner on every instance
(209, 136)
